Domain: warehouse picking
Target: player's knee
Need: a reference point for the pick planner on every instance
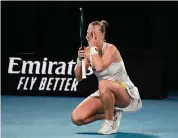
(77, 120)
(103, 85)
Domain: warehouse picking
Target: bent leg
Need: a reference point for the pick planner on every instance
(87, 111)
(113, 93)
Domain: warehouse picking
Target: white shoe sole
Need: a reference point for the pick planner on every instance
(110, 132)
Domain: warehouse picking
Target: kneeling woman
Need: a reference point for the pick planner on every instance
(116, 92)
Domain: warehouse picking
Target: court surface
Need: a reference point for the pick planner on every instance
(50, 117)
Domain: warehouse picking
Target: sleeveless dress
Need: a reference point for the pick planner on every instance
(117, 72)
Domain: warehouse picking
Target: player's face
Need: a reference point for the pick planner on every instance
(94, 30)
(90, 32)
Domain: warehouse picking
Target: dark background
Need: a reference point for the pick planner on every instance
(146, 33)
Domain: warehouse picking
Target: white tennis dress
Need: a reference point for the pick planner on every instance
(117, 72)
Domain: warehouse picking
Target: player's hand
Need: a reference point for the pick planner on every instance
(92, 39)
(81, 53)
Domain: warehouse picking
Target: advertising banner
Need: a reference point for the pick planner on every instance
(35, 74)
(29, 73)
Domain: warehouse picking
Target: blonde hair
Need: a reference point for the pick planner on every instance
(103, 25)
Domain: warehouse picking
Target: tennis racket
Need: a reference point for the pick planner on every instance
(82, 42)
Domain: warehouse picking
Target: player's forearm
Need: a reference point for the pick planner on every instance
(78, 69)
(78, 72)
(97, 63)
(96, 59)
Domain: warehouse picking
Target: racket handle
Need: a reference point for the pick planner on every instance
(83, 70)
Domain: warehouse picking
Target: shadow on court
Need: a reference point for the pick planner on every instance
(123, 135)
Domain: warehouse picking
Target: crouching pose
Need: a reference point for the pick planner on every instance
(116, 93)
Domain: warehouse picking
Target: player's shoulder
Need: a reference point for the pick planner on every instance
(112, 46)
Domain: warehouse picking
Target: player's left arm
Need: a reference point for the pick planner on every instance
(101, 63)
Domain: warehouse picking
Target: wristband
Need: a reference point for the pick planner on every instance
(79, 62)
(93, 50)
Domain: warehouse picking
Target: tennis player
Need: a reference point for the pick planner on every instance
(116, 92)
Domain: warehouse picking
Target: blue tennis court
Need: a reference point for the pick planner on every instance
(49, 117)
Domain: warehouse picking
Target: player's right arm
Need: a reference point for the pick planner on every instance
(78, 68)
